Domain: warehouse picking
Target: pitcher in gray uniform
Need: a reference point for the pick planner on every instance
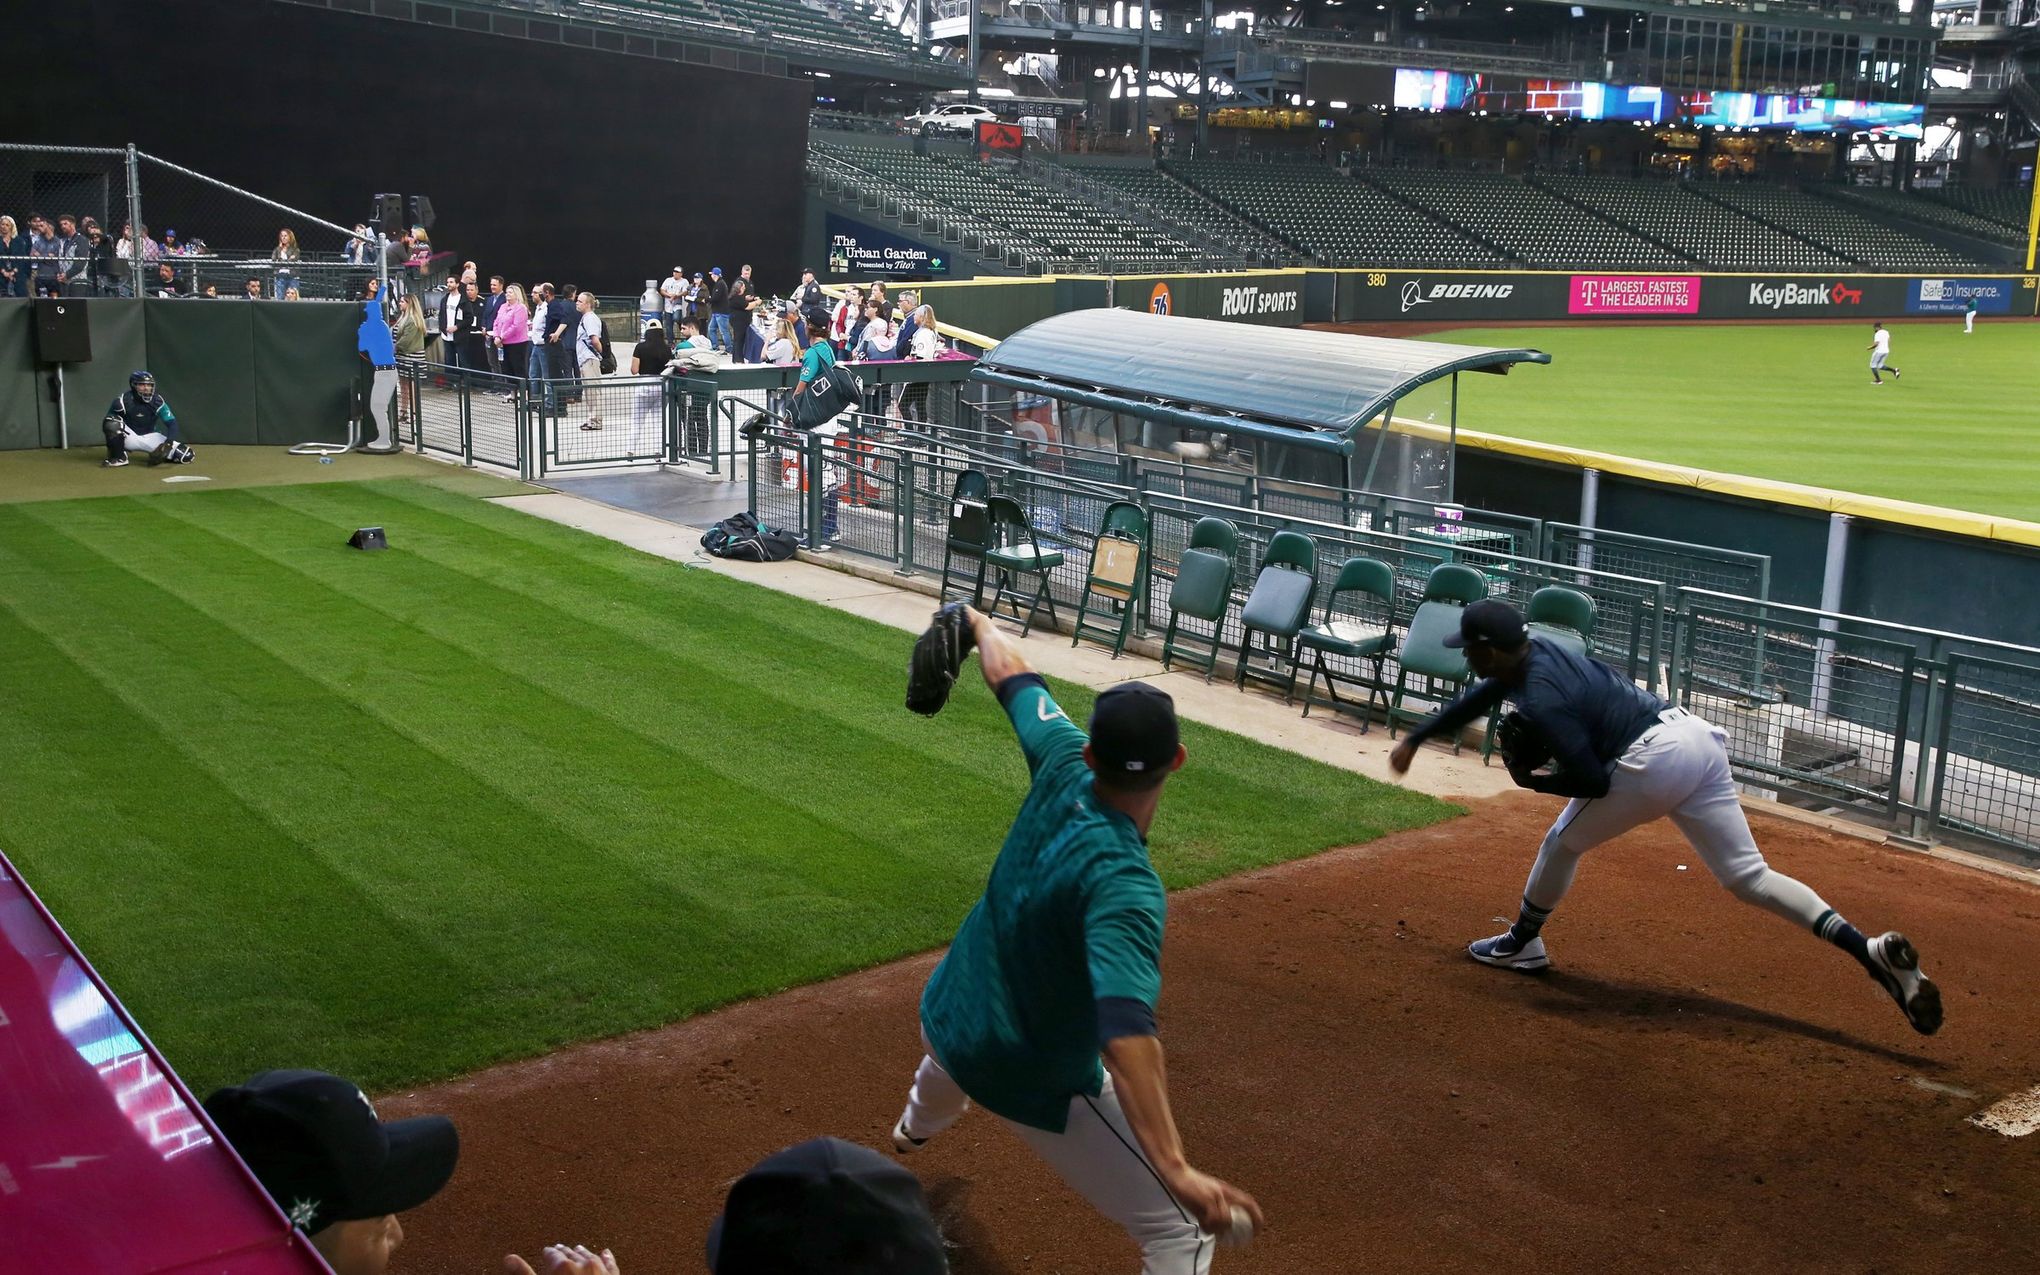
(1625, 757)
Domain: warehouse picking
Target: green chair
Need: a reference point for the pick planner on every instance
(1113, 577)
(1364, 631)
(1424, 653)
(1561, 616)
(970, 532)
(1016, 554)
(1277, 610)
(1202, 591)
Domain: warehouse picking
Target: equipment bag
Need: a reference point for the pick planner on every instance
(743, 538)
(824, 397)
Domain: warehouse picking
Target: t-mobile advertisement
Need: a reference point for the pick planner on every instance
(1634, 294)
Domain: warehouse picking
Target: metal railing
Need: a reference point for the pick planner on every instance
(1934, 734)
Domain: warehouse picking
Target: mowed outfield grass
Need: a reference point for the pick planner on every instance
(506, 786)
(1786, 401)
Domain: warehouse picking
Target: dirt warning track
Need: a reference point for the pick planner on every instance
(1695, 1086)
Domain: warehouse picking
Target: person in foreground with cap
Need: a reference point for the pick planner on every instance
(1624, 757)
(826, 1207)
(339, 1172)
(342, 1174)
(1060, 963)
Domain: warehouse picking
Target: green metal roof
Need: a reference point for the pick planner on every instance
(1321, 382)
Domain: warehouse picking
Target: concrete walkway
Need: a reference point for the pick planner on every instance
(840, 581)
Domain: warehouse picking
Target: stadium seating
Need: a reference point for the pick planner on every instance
(1061, 229)
(1530, 224)
(1918, 208)
(794, 27)
(1184, 206)
(1841, 230)
(1714, 236)
(2004, 205)
(1337, 220)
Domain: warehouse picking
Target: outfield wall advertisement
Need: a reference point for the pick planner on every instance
(1504, 297)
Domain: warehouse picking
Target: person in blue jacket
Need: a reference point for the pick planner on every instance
(378, 348)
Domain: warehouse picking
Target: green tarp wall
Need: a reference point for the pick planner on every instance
(268, 372)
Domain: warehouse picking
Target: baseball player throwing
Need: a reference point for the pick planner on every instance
(1625, 758)
(1059, 963)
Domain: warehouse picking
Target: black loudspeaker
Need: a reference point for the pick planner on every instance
(420, 207)
(368, 538)
(389, 215)
(62, 332)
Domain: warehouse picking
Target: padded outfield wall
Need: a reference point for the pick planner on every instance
(999, 307)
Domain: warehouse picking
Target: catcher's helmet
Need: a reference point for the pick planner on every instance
(140, 377)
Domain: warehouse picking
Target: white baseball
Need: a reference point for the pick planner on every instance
(1239, 1230)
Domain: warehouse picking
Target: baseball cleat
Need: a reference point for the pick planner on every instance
(904, 1142)
(113, 462)
(1896, 964)
(1504, 952)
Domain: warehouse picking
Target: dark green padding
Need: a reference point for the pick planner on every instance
(202, 353)
(304, 369)
(119, 346)
(22, 397)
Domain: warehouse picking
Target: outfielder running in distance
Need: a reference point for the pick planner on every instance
(1060, 962)
(1624, 758)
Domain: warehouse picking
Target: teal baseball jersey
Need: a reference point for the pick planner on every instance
(1071, 914)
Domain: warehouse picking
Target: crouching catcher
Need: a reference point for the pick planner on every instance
(140, 421)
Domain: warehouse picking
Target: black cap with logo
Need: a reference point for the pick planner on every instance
(826, 1205)
(1133, 730)
(317, 1146)
(1489, 622)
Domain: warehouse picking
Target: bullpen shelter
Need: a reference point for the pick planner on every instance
(1282, 403)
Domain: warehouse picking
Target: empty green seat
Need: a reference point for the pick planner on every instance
(1202, 591)
(1363, 630)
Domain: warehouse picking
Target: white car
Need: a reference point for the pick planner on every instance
(954, 117)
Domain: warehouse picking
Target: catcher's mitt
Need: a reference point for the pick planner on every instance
(1522, 745)
(938, 656)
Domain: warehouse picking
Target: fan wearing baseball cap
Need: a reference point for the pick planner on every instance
(826, 1206)
(1625, 757)
(1043, 1010)
(339, 1171)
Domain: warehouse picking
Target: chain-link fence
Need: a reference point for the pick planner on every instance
(99, 221)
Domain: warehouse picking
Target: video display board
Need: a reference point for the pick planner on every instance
(1428, 90)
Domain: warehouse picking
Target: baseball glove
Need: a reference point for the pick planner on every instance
(1522, 745)
(938, 656)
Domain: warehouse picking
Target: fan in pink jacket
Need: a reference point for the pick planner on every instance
(513, 331)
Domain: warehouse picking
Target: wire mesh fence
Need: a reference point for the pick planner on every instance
(99, 221)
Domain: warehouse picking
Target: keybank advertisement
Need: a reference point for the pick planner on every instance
(859, 250)
(1952, 296)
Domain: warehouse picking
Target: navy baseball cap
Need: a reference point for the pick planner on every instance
(1488, 622)
(315, 1143)
(1133, 730)
(826, 1206)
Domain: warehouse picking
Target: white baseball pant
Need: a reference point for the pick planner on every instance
(1097, 1155)
(382, 391)
(143, 442)
(1677, 769)
(1969, 320)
